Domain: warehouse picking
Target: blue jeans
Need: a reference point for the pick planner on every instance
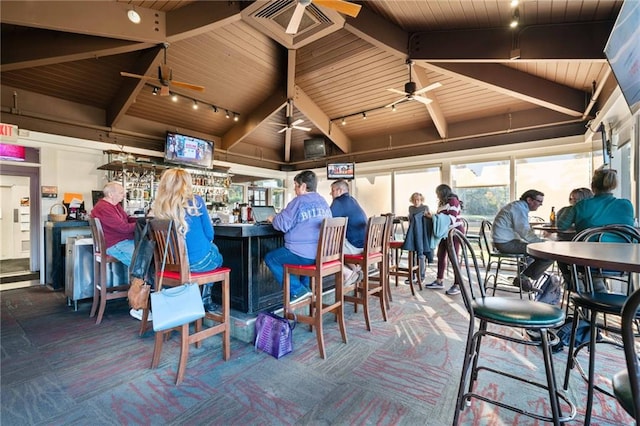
(123, 251)
(209, 262)
(275, 261)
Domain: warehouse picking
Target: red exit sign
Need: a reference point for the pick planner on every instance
(8, 132)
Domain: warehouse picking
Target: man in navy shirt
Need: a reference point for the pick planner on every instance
(344, 205)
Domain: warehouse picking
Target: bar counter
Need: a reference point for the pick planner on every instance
(243, 247)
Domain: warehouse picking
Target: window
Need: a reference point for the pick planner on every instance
(407, 182)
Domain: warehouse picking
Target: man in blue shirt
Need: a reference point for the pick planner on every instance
(344, 205)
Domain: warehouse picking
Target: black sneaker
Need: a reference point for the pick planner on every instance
(435, 285)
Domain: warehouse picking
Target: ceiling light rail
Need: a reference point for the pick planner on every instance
(196, 103)
(362, 114)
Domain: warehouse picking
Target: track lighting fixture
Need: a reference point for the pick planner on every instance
(515, 20)
(195, 103)
(133, 16)
(364, 115)
(344, 121)
(393, 108)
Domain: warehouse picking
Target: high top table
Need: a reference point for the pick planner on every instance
(612, 256)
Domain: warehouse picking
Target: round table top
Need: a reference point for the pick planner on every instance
(614, 256)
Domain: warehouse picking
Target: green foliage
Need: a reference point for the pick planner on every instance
(483, 201)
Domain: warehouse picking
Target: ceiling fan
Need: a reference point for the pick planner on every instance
(165, 77)
(341, 6)
(410, 93)
(291, 124)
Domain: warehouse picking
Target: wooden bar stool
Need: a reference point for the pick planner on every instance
(176, 272)
(329, 261)
(102, 264)
(373, 254)
(397, 271)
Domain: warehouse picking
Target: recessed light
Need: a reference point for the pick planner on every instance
(133, 16)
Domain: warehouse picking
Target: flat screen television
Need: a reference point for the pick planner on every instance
(188, 150)
(623, 53)
(341, 171)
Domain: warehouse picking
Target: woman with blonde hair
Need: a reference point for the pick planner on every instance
(175, 200)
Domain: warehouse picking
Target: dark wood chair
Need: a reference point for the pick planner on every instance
(372, 255)
(626, 383)
(474, 238)
(503, 312)
(102, 264)
(329, 261)
(176, 272)
(589, 305)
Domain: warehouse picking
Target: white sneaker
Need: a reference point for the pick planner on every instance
(356, 276)
(137, 314)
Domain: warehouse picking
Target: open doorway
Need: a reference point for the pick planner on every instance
(19, 225)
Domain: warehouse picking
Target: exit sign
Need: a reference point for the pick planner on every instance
(8, 133)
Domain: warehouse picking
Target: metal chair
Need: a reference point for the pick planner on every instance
(626, 383)
(504, 312)
(329, 261)
(474, 239)
(589, 304)
(373, 254)
(102, 264)
(500, 261)
(176, 272)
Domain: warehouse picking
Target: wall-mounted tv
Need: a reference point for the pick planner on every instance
(314, 148)
(623, 53)
(188, 150)
(341, 170)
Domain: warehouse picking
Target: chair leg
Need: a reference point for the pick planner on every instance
(226, 334)
(551, 378)
(468, 355)
(572, 343)
(96, 290)
(339, 298)
(592, 361)
(184, 352)
(157, 348)
(103, 292)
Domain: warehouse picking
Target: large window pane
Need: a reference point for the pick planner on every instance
(373, 192)
(423, 181)
(483, 188)
(555, 176)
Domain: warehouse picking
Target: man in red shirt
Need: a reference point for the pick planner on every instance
(118, 228)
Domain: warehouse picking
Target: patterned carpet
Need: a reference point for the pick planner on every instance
(58, 367)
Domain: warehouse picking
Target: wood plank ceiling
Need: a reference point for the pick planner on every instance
(61, 62)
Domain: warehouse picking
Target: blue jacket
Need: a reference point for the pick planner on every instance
(418, 237)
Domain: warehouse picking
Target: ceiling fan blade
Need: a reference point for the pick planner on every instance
(284, 129)
(296, 18)
(142, 77)
(341, 6)
(304, 129)
(422, 99)
(397, 91)
(298, 121)
(188, 86)
(429, 87)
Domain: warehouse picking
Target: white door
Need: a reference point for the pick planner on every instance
(14, 217)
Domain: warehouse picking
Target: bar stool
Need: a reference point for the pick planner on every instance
(329, 261)
(176, 272)
(102, 264)
(504, 312)
(373, 254)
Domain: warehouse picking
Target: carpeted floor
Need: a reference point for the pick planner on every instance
(58, 367)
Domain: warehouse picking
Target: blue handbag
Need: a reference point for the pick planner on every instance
(175, 306)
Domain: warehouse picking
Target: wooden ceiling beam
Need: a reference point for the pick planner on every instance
(130, 87)
(40, 48)
(200, 17)
(319, 119)
(97, 18)
(437, 116)
(579, 41)
(517, 84)
(379, 32)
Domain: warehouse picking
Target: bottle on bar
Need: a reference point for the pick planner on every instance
(552, 217)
